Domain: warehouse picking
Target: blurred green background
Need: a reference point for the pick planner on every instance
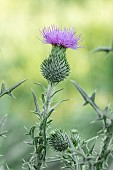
(21, 53)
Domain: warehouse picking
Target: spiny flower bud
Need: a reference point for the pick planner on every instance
(56, 67)
(58, 140)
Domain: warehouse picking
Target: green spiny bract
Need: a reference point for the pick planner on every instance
(58, 140)
(76, 138)
(55, 68)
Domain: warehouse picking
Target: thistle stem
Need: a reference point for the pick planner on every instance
(41, 150)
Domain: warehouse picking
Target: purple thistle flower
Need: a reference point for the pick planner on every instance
(61, 37)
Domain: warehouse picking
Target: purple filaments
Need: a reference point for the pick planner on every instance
(61, 37)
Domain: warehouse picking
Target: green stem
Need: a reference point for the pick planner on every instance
(41, 150)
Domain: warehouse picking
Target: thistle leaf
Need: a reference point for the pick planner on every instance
(106, 110)
(3, 88)
(82, 92)
(56, 92)
(49, 122)
(49, 113)
(3, 133)
(40, 85)
(7, 167)
(52, 108)
(32, 131)
(2, 124)
(16, 85)
(11, 95)
(93, 96)
(35, 141)
(86, 102)
(89, 99)
(37, 111)
(9, 90)
(104, 49)
(43, 98)
(92, 147)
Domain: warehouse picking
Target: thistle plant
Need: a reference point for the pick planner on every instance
(54, 69)
(72, 149)
(75, 152)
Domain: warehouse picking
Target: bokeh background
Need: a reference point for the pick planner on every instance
(21, 53)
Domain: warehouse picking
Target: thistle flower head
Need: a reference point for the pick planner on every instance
(60, 37)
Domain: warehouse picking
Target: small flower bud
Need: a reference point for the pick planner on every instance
(55, 68)
(58, 140)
